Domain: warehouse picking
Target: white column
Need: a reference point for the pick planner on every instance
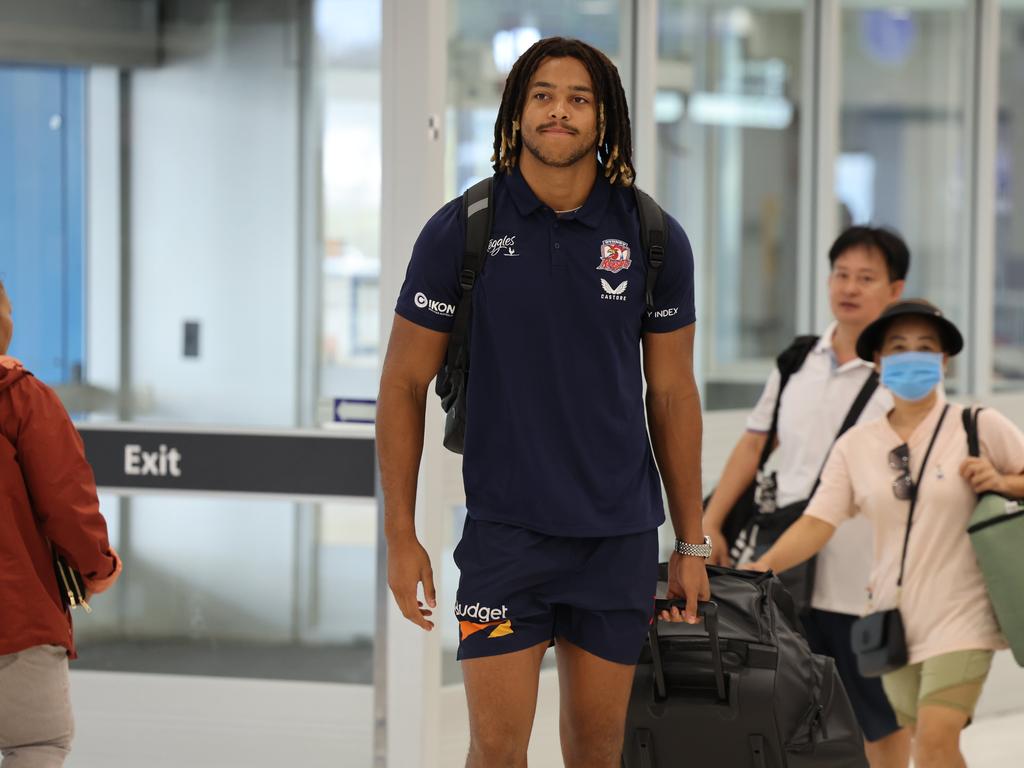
(644, 47)
(103, 230)
(981, 107)
(413, 72)
(819, 147)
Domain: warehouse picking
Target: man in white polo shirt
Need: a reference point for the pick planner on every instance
(869, 267)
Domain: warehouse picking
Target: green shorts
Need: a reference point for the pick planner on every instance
(951, 680)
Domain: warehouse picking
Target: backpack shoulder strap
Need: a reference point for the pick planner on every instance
(477, 216)
(789, 361)
(859, 404)
(792, 358)
(856, 409)
(970, 420)
(652, 239)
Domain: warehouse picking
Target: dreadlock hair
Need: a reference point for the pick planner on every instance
(614, 141)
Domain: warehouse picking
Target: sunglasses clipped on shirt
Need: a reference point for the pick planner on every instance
(903, 485)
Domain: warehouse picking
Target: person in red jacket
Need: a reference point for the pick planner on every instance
(47, 500)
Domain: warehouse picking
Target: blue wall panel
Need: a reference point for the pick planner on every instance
(42, 215)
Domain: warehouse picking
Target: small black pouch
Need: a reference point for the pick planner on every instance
(70, 584)
(880, 643)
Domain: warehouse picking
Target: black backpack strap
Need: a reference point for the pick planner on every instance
(789, 361)
(970, 419)
(652, 239)
(478, 216)
(856, 409)
(859, 404)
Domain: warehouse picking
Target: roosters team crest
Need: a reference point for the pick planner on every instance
(614, 256)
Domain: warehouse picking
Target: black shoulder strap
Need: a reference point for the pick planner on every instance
(789, 361)
(856, 409)
(478, 215)
(652, 239)
(970, 419)
(915, 490)
(859, 404)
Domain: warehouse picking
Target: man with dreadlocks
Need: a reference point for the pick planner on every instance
(562, 490)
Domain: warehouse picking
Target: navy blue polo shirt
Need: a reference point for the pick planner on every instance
(556, 437)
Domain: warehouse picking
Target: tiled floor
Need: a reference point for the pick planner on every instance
(165, 721)
(995, 742)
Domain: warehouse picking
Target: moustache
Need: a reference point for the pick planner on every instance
(548, 126)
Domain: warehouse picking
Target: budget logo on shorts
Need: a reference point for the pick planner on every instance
(476, 618)
(614, 256)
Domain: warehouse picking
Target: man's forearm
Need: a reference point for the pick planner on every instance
(676, 433)
(400, 420)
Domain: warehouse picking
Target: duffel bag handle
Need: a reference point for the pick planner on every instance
(709, 612)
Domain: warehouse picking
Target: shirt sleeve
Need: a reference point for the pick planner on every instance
(1001, 441)
(760, 419)
(431, 290)
(674, 306)
(60, 481)
(833, 501)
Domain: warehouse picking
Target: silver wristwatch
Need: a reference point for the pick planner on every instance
(694, 550)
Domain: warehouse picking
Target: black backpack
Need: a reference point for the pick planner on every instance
(478, 215)
(741, 689)
(789, 361)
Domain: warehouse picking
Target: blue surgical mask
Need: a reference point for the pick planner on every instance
(912, 375)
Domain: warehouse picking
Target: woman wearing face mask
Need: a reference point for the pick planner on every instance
(919, 449)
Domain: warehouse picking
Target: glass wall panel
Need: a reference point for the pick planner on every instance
(485, 39)
(902, 137)
(728, 116)
(238, 589)
(214, 135)
(164, 206)
(1008, 355)
(42, 216)
(349, 33)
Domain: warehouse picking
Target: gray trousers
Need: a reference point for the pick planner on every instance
(36, 725)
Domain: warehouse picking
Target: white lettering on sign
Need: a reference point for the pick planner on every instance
(163, 462)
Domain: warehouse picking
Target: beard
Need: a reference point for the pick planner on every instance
(573, 156)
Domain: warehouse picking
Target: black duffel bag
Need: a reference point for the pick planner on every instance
(741, 689)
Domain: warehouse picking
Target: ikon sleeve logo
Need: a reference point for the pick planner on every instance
(437, 307)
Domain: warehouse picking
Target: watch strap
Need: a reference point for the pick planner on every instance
(694, 550)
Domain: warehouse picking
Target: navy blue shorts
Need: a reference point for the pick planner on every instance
(829, 634)
(519, 588)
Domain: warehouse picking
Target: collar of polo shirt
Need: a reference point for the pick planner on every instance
(824, 346)
(590, 213)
